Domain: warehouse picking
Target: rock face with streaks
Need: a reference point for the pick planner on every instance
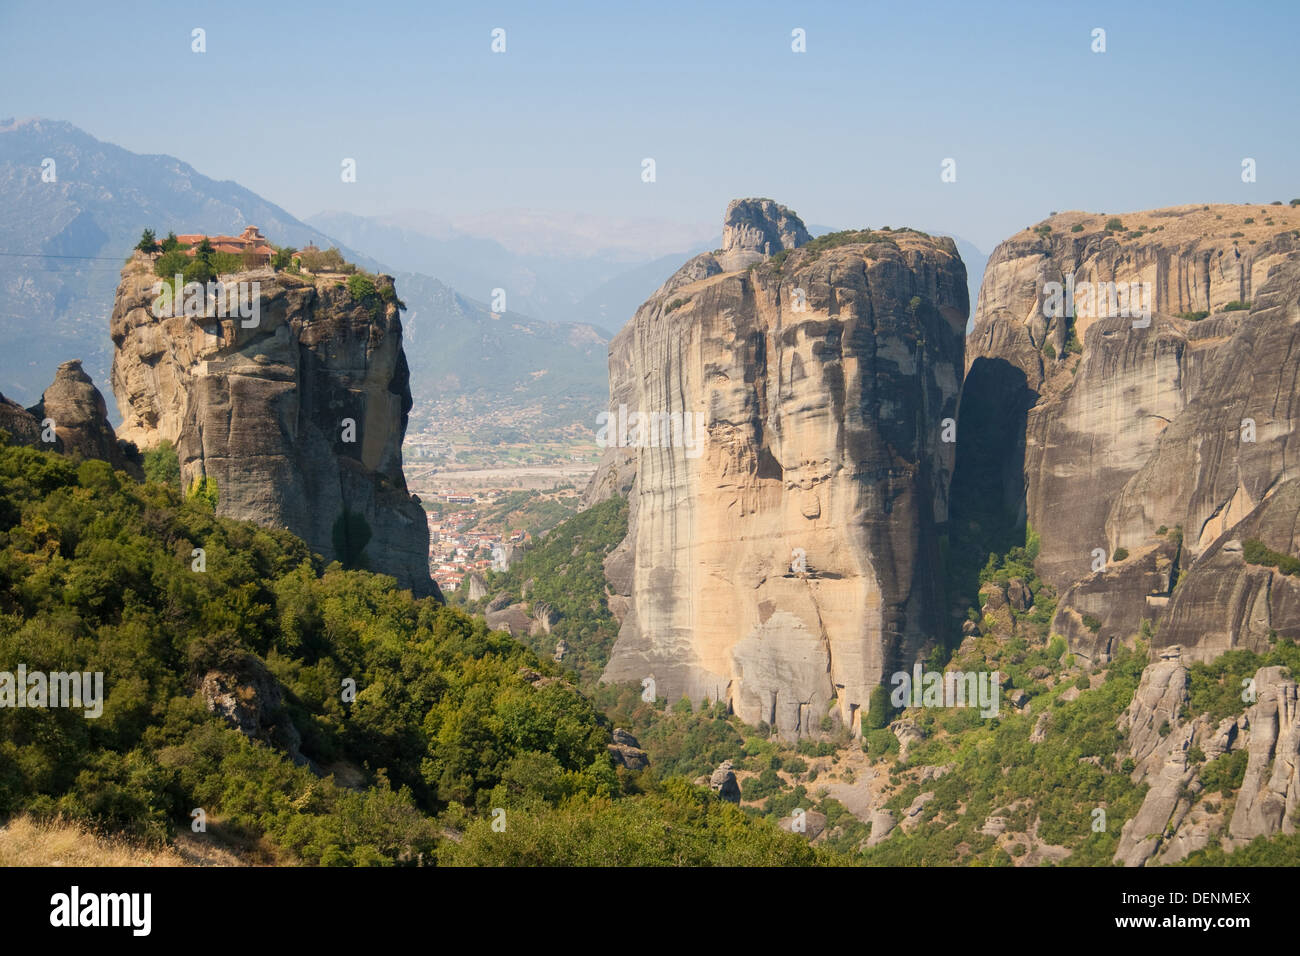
(1140, 431)
(298, 413)
(778, 411)
(1270, 790)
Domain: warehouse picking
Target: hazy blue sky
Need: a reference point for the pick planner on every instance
(850, 133)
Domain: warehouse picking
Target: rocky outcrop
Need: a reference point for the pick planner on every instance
(783, 554)
(23, 427)
(1128, 419)
(297, 413)
(1270, 790)
(723, 782)
(883, 823)
(1223, 602)
(80, 417)
(78, 421)
(1173, 821)
(626, 751)
(249, 698)
(753, 229)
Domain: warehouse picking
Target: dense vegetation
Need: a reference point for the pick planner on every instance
(565, 569)
(1255, 551)
(447, 721)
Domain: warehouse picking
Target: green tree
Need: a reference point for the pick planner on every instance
(148, 242)
(162, 465)
(204, 491)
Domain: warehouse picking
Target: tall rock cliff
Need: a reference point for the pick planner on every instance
(299, 415)
(1143, 430)
(783, 555)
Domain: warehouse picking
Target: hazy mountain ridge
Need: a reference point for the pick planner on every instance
(104, 196)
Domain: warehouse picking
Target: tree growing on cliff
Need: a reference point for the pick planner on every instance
(148, 242)
(162, 465)
(204, 490)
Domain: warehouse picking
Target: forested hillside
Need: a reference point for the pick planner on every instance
(228, 680)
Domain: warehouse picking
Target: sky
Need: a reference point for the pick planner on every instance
(853, 132)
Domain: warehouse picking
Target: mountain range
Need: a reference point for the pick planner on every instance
(75, 206)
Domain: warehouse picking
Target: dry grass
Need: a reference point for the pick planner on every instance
(26, 841)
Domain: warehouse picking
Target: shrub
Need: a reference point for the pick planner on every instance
(1236, 306)
(1224, 773)
(1049, 350)
(1077, 227)
(1193, 316)
(1120, 554)
(1092, 623)
(1255, 551)
(170, 263)
(204, 490)
(198, 270)
(1114, 225)
(162, 465)
(328, 260)
(223, 263)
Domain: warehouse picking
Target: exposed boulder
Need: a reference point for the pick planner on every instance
(80, 419)
(809, 824)
(627, 752)
(1018, 594)
(249, 698)
(723, 782)
(476, 586)
(883, 823)
(544, 617)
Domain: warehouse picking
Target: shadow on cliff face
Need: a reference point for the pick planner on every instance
(350, 536)
(987, 504)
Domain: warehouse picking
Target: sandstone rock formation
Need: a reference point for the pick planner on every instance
(1129, 434)
(1174, 820)
(784, 556)
(79, 418)
(626, 751)
(723, 782)
(1270, 790)
(299, 414)
(250, 699)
